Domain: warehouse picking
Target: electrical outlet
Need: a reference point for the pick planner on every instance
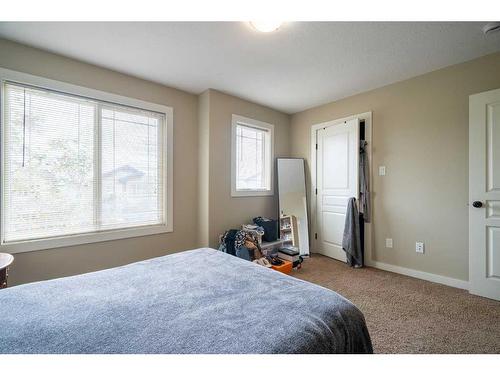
(381, 170)
(419, 247)
(388, 243)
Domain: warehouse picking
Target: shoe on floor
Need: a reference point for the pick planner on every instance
(263, 262)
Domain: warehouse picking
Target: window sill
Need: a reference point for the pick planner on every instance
(251, 193)
(81, 239)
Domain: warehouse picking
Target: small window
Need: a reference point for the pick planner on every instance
(77, 169)
(252, 157)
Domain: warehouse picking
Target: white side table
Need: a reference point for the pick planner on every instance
(5, 261)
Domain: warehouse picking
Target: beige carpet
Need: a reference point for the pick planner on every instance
(407, 315)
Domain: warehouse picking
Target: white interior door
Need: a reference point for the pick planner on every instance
(336, 181)
(484, 194)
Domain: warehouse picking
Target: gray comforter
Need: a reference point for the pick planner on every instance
(198, 301)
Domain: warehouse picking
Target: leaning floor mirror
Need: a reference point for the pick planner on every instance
(293, 203)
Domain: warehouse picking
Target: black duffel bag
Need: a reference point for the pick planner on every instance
(270, 228)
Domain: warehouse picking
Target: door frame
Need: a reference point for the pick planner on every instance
(367, 117)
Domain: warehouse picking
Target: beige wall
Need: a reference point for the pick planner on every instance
(47, 264)
(420, 132)
(203, 167)
(224, 211)
(203, 206)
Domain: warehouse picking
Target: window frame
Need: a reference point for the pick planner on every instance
(245, 121)
(103, 97)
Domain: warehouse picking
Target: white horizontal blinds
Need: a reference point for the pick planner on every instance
(74, 165)
(132, 179)
(48, 164)
(252, 156)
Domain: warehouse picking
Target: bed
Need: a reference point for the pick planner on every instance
(197, 301)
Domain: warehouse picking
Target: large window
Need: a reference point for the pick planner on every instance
(252, 157)
(74, 167)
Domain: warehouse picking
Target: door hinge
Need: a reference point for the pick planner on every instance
(315, 236)
(316, 146)
(316, 191)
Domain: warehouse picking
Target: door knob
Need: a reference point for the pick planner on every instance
(477, 204)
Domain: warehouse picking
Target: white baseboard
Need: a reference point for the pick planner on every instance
(456, 283)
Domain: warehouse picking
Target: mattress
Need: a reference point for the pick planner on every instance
(197, 301)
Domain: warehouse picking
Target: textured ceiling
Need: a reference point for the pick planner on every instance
(301, 65)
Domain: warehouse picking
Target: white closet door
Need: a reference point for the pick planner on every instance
(484, 194)
(337, 181)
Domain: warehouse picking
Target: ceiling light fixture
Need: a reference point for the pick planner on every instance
(266, 26)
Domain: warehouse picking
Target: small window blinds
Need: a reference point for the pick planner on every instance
(253, 160)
